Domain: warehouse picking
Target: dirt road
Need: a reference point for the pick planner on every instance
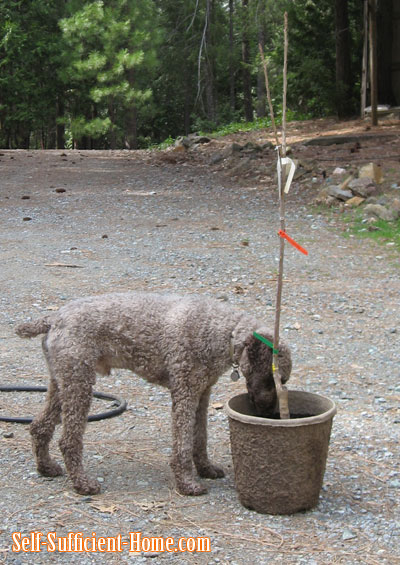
(79, 223)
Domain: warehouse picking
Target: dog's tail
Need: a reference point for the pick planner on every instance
(32, 329)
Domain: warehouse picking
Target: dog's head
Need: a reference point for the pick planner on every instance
(256, 365)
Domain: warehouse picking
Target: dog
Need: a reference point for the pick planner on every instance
(183, 343)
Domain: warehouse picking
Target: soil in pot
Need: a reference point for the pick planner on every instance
(279, 464)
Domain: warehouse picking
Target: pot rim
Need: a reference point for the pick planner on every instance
(287, 423)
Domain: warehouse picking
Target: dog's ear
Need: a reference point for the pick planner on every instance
(285, 362)
(248, 353)
(254, 352)
(252, 347)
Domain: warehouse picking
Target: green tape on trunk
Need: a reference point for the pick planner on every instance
(264, 340)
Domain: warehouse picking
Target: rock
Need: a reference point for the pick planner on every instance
(346, 182)
(339, 171)
(251, 147)
(381, 212)
(324, 199)
(348, 534)
(396, 205)
(296, 326)
(217, 158)
(355, 201)
(268, 145)
(372, 171)
(201, 139)
(191, 140)
(244, 166)
(182, 142)
(340, 194)
(235, 148)
(364, 187)
(179, 149)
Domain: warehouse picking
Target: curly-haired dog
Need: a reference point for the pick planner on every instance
(181, 342)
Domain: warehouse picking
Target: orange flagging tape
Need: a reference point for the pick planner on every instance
(292, 242)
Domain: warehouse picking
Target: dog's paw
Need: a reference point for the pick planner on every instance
(50, 469)
(210, 471)
(86, 486)
(191, 489)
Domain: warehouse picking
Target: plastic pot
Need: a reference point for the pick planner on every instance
(279, 465)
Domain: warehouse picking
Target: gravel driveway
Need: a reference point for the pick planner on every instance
(79, 223)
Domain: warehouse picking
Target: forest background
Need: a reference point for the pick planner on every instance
(131, 73)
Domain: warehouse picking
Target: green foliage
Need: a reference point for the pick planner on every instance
(105, 49)
(128, 73)
(382, 232)
(30, 55)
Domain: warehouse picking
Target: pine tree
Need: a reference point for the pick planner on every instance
(108, 43)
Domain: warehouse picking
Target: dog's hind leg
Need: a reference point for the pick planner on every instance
(204, 466)
(77, 395)
(184, 406)
(42, 430)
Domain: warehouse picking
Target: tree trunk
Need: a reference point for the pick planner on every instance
(131, 140)
(111, 115)
(384, 46)
(60, 128)
(231, 58)
(343, 60)
(364, 68)
(188, 105)
(247, 98)
(209, 65)
(373, 62)
(261, 94)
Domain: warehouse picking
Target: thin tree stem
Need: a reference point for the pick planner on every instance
(281, 390)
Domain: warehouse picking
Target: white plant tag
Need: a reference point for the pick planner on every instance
(288, 161)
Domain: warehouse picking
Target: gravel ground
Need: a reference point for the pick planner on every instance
(121, 221)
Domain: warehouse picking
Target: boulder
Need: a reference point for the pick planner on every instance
(217, 158)
(324, 199)
(371, 171)
(191, 140)
(251, 147)
(340, 194)
(269, 145)
(364, 187)
(381, 212)
(346, 182)
(235, 148)
(200, 139)
(396, 205)
(339, 171)
(355, 201)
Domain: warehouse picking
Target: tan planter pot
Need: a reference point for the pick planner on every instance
(279, 465)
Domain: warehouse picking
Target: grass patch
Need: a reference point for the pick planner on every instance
(381, 231)
(235, 127)
(256, 124)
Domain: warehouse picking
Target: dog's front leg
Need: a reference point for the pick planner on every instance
(184, 407)
(204, 466)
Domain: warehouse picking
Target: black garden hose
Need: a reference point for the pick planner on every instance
(121, 404)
